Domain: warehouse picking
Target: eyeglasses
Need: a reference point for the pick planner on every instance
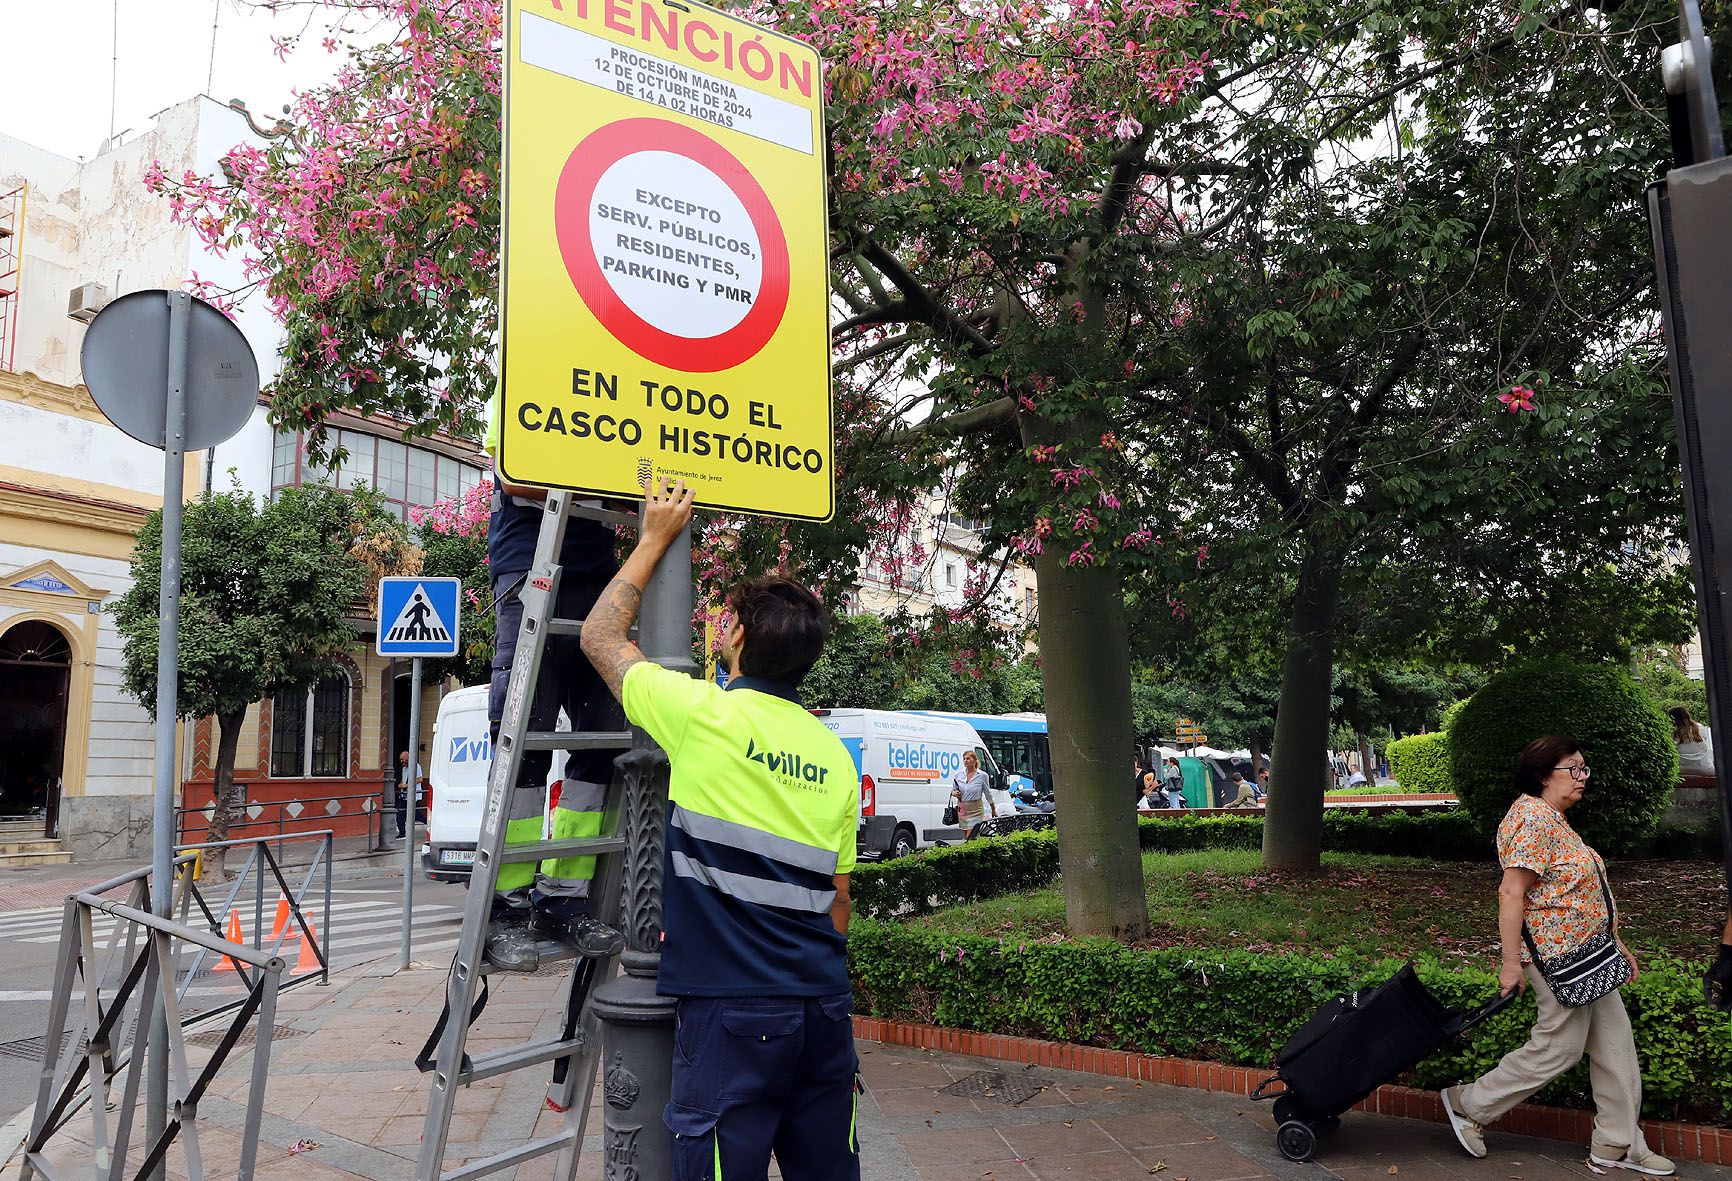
(1581, 772)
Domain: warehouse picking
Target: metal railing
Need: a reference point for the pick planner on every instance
(282, 818)
(106, 992)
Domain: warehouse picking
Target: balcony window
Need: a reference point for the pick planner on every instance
(310, 731)
(407, 477)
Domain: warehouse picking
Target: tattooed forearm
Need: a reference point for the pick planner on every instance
(607, 630)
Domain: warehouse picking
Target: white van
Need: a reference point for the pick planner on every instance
(906, 763)
(462, 761)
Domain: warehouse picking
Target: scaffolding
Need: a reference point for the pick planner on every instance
(11, 271)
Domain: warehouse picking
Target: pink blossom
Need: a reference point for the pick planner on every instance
(1519, 398)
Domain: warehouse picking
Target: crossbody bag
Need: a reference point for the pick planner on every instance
(1584, 974)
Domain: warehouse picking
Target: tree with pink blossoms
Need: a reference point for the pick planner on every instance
(1159, 288)
(1261, 361)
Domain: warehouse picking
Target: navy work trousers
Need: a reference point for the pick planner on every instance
(761, 1075)
(568, 681)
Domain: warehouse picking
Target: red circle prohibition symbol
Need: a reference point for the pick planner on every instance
(601, 150)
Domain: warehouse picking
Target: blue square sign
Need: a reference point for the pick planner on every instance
(418, 616)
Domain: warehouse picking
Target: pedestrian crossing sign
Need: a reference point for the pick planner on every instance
(418, 616)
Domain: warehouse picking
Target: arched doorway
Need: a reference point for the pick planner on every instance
(35, 678)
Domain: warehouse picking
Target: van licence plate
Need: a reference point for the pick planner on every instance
(457, 857)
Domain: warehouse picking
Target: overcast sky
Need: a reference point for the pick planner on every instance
(55, 89)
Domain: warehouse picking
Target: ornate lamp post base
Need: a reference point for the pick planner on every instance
(637, 1046)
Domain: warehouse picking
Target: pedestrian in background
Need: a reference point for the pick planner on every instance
(971, 792)
(407, 785)
(1150, 794)
(1717, 984)
(1554, 898)
(1695, 744)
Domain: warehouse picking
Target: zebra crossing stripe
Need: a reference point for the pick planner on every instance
(42, 926)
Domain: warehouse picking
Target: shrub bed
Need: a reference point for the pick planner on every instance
(1238, 1007)
(1420, 762)
(1626, 739)
(1029, 861)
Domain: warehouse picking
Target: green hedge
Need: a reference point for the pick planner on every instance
(1026, 861)
(1420, 762)
(1238, 1007)
(1029, 861)
(1623, 734)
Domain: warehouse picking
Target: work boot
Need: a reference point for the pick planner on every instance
(585, 934)
(1469, 1133)
(511, 942)
(1638, 1158)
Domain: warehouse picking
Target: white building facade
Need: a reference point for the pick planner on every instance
(77, 752)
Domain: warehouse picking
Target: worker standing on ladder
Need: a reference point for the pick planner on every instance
(553, 903)
(760, 842)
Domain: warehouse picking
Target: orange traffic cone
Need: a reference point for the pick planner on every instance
(308, 960)
(234, 936)
(280, 923)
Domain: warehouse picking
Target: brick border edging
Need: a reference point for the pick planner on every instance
(1695, 1142)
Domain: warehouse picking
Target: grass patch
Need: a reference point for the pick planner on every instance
(1442, 911)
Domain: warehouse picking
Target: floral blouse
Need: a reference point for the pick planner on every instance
(1565, 908)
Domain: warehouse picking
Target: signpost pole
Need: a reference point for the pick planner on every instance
(174, 373)
(637, 1025)
(167, 692)
(409, 809)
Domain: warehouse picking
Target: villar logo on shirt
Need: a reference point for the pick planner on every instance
(786, 765)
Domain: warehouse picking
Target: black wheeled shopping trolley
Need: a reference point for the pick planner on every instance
(1353, 1045)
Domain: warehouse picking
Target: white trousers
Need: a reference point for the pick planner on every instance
(1560, 1037)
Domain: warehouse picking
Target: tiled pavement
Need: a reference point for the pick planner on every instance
(343, 1081)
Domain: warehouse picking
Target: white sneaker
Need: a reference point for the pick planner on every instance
(1471, 1135)
(1638, 1158)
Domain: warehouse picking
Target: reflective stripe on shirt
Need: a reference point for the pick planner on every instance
(753, 840)
(746, 888)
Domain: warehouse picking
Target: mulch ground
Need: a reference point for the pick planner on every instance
(1446, 911)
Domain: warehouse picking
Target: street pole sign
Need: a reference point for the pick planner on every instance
(418, 617)
(176, 374)
(665, 306)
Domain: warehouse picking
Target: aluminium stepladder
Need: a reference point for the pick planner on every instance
(574, 1051)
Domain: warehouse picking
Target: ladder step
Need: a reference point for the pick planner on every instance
(550, 951)
(606, 516)
(574, 627)
(570, 847)
(515, 1156)
(498, 1062)
(577, 740)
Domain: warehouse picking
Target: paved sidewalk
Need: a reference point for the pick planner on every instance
(343, 1089)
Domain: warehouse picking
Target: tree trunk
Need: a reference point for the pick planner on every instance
(1086, 671)
(1293, 820)
(1365, 763)
(1256, 747)
(228, 800)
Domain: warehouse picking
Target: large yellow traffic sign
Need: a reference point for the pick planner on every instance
(665, 276)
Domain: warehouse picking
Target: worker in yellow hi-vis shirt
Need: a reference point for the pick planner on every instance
(760, 842)
(551, 900)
